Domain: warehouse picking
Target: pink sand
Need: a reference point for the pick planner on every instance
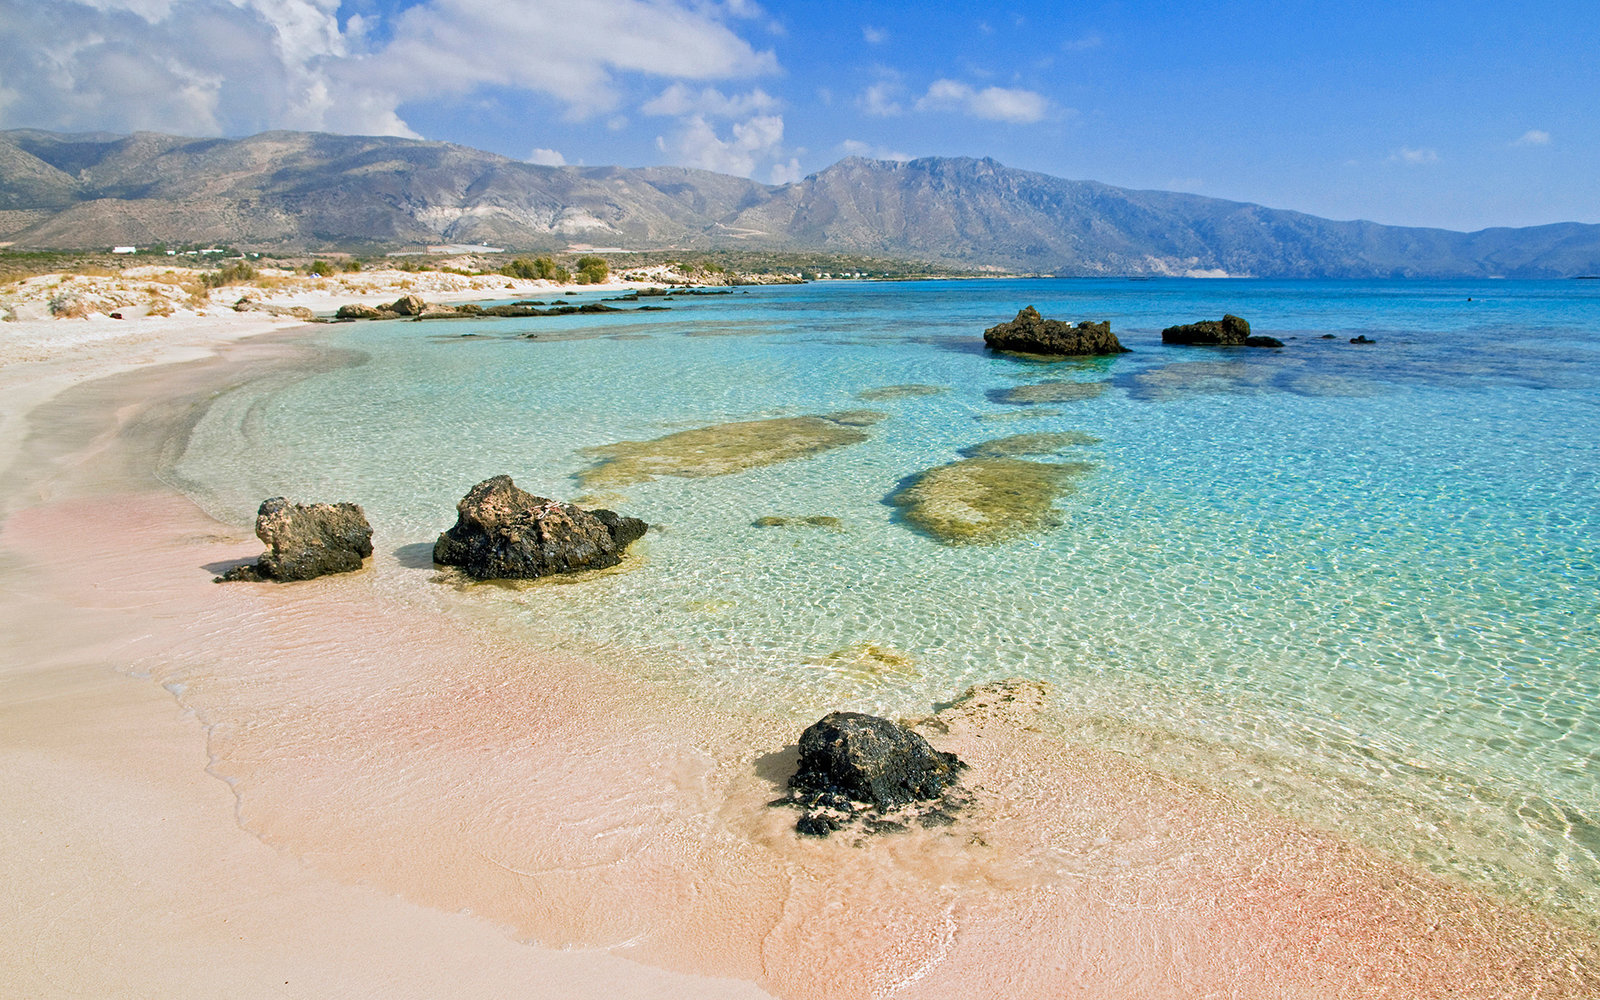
(361, 793)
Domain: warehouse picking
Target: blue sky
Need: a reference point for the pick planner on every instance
(1463, 114)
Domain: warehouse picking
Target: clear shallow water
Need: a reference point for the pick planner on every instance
(1358, 582)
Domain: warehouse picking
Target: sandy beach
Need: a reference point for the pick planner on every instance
(341, 788)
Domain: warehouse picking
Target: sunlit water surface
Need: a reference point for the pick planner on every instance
(1356, 581)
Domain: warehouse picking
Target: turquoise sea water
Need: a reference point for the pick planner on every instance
(1357, 582)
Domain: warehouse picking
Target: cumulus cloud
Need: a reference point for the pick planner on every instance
(1414, 157)
(880, 100)
(787, 173)
(874, 36)
(711, 102)
(855, 147)
(747, 145)
(239, 66)
(1533, 137)
(547, 158)
(1000, 104)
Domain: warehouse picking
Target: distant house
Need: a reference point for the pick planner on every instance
(124, 249)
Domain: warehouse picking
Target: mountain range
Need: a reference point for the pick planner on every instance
(305, 191)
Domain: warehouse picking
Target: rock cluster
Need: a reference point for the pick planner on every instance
(1031, 333)
(502, 532)
(1230, 331)
(306, 541)
(405, 305)
(861, 765)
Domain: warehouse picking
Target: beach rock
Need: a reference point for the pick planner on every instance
(1230, 331)
(1362, 339)
(357, 310)
(1262, 342)
(407, 305)
(852, 763)
(251, 305)
(502, 532)
(1031, 333)
(306, 541)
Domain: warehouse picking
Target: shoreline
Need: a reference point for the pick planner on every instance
(426, 759)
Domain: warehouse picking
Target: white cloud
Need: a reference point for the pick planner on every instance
(681, 100)
(1000, 104)
(855, 147)
(547, 158)
(239, 66)
(1533, 137)
(874, 36)
(787, 173)
(748, 144)
(879, 99)
(1084, 43)
(1414, 157)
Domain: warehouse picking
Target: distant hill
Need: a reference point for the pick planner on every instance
(283, 190)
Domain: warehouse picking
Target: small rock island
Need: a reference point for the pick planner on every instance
(1031, 333)
(861, 766)
(1230, 331)
(505, 533)
(306, 541)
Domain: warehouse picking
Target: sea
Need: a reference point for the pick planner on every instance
(1357, 583)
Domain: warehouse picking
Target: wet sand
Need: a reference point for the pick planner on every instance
(356, 786)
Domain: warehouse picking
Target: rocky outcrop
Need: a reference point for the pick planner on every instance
(1230, 331)
(306, 541)
(1254, 341)
(405, 305)
(1031, 333)
(251, 305)
(502, 532)
(862, 766)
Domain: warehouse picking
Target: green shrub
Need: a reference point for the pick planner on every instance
(235, 272)
(592, 270)
(321, 269)
(538, 268)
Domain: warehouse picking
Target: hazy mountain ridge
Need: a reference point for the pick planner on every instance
(308, 190)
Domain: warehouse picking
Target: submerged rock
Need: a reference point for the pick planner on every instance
(1230, 331)
(1362, 339)
(502, 532)
(981, 501)
(722, 449)
(900, 392)
(809, 521)
(1049, 392)
(853, 764)
(1031, 333)
(1041, 443)
(1256, 341)
(306, 541)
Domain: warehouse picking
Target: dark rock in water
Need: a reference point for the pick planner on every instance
(307, 541)
(1031, 333)
(502, 533)
(1362, 340)
(1262, 342)
(1327, 336)
(1230, 331)
(852, 763)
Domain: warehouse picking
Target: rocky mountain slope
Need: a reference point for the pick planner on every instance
(283, 190)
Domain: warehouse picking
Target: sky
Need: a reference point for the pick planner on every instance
(1462, 114)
